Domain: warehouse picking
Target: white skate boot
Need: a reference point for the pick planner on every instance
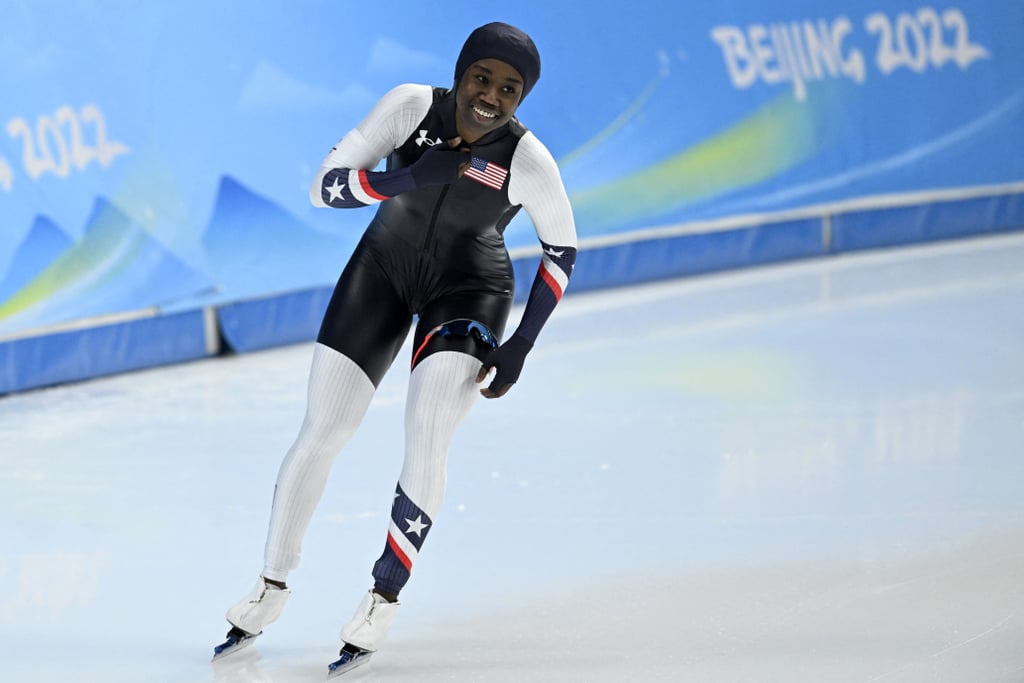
(262, 606)
(364, 633)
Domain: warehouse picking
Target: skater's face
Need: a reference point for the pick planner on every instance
(486, 98)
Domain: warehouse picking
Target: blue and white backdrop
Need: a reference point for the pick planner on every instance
(158, 154)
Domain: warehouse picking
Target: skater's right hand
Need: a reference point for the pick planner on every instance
(442, 164)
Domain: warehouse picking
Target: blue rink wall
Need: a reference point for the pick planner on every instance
(108, 347)
(150, 217)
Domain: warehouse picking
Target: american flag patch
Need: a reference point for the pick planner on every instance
(485, 172)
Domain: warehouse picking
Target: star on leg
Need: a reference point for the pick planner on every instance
(417, 526)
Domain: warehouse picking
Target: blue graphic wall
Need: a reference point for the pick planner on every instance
(157, 156)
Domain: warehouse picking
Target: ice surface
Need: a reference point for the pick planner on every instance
(801, 473)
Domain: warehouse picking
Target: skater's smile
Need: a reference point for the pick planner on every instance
(486, 98)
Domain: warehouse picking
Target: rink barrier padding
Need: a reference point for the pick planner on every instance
(662, 258)
(294, 317)
(72, 355)
(928, 222)
(275, 320)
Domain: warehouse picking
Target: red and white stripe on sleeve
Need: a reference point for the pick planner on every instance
(536, 184)
(346, 178)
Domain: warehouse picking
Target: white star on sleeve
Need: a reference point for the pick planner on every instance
(335, 190)
(417, 526)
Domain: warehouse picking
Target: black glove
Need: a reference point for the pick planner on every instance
(441, 164)
(508, 359)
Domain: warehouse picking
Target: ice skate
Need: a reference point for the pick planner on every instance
(262, 606)
(364, 633)
(236, 641)
(350, 658)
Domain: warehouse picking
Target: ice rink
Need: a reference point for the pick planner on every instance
(800, 473)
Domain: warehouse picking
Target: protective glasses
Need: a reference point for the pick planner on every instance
(460, 327)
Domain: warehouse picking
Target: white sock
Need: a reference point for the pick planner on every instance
(371, 622)
(339, 394)
(262, 606)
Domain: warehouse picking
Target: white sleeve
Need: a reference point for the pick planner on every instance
(536, 184)
(383, 130)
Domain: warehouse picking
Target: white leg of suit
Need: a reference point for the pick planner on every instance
(338, 396)
(442, 389)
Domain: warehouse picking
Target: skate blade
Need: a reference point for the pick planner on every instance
(232, 646)
(340, 668)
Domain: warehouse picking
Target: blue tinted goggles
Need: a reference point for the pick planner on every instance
(460, 327)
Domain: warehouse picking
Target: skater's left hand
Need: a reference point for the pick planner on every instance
(508, 359)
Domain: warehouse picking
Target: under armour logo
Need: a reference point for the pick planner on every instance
(424, 139)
